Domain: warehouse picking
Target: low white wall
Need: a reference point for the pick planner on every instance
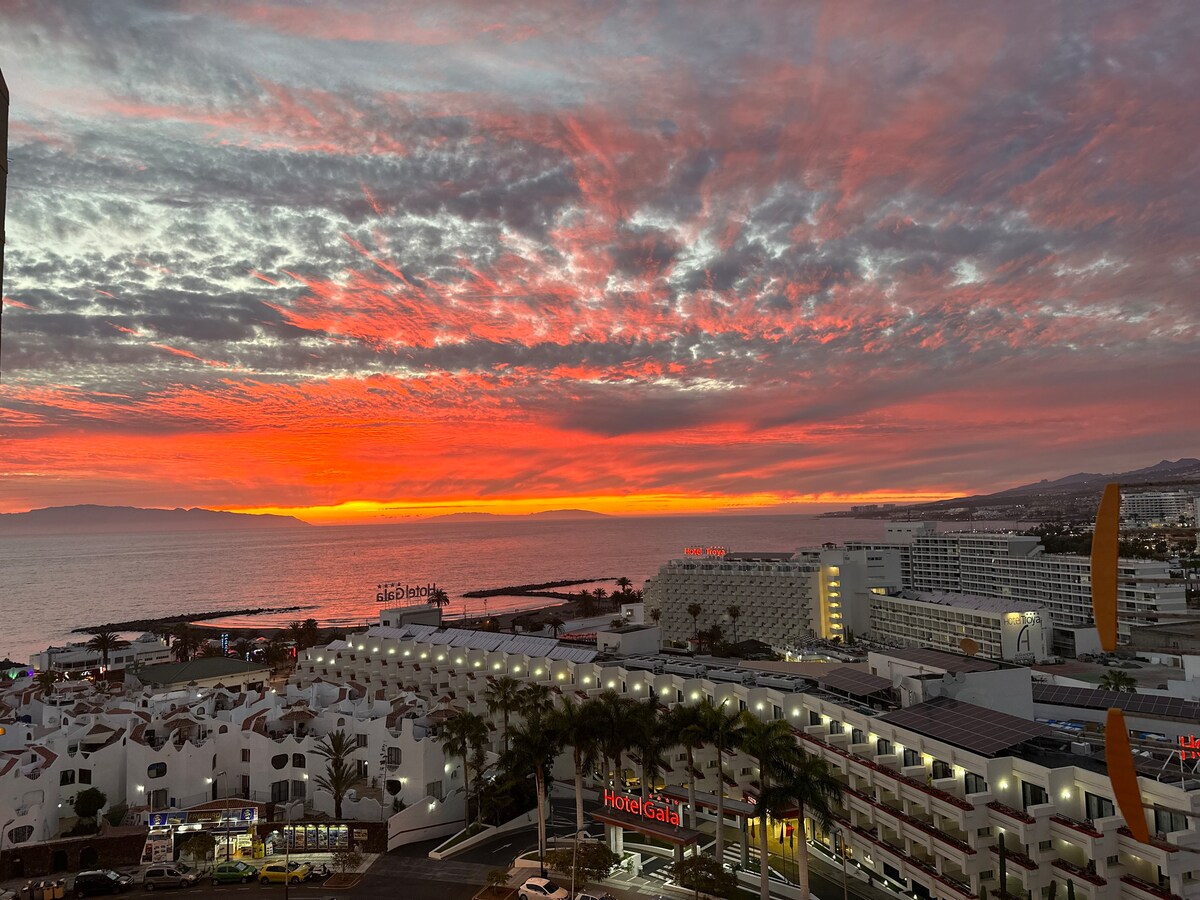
(489, 832)
(425, 820)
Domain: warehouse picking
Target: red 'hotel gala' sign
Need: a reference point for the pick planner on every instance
(647, 809)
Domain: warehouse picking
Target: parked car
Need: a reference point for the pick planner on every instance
(100, 881)
(542, 889)
(170, 875)
(278, 873)
(234, 870)
(584, 895)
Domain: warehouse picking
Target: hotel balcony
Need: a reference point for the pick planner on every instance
(1096, 842)
(1030, 826)
(1175, 859)
(1139, 889)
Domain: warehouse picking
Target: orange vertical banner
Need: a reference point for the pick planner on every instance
(1119, 757)
(1105, 538)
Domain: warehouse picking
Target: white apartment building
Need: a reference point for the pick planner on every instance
(784, 599)
(1000, 628)
(76, 658)
(1017, 567)
(1158, 507)
(930, 780)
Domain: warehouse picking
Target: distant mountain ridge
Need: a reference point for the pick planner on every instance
(552, 514)
(90, 517)
(1071, 496)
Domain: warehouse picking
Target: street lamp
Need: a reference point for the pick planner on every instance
(225, 818)
(841, 833)
(574, 858)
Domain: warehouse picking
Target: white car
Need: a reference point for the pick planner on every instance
(542, 889)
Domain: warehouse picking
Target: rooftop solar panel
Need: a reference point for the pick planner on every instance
(1148, 705)
(853, 681)
(966, 725)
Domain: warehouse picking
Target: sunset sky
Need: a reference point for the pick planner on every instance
(370, 260)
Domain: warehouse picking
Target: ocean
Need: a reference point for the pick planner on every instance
(51, 584)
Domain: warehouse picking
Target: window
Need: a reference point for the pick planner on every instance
(245, 756)
(883, 746)
(279, 760)
(1045, 845)
(434, 789)
(857, 736)
(298, 761)
(1097, 807)
(1168, 820)
(975, 784)
(984, 832)
(777, 712)
(66, 776)
(298, 787)
(1032, 794)
(156, 770)
(835, 727)
(814, 717)
(361, 768)
(360, 741)
(942, 770)
(279, 792)
(911, 757)
(393, 757)
(85, 776)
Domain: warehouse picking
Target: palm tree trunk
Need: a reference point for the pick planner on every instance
(721, 806)
(466, 795)
(764, 863)
(540, 778)
(691, 791)
(802, 853)
(617, 774)
(645, 778)
(578, 792)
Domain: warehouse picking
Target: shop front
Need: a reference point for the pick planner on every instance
(231, 823)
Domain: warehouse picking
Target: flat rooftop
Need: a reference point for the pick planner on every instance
(971, 601)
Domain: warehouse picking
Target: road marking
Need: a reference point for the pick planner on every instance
(505, 847)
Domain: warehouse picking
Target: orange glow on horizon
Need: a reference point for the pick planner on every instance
(362, 512)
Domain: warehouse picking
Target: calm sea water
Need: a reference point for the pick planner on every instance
(49, 585)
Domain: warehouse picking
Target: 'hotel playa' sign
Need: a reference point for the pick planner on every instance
(655, 810)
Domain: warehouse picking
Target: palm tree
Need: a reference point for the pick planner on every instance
(312, 632)
(1117, 680)
(617, 714)
(535, 745)
(296, 633)
(556, 625)
(656, 615)
(726, 729)
(579, 725)
(685, 727)
(650, 740)
(587, 605)
(694, 610)
(711, 636)
(187, 640)
(599, 594)
(439, 598)
(104, 642)
(535, 701)
(773, 745)
(341, 773)
(504, 694)
(209, 649)
(624, 584)
(466, 736)
(46, 681)
(242, 648)
(734, 612)
(812, 789)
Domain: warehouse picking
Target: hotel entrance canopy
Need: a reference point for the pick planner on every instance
(678, 836)
(739, 808)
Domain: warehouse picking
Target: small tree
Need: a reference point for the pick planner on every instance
(346, 859)
(703, 874)
(116, 813)
(89, 803)
(341, 773)
(199, 846)
(591, 861)
(497, 878)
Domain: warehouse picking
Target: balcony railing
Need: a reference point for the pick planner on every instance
(1082, 827)
(1149, 888)
(1154, 841)
(1017, 814)
(1017, 857)
(1079, 872)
